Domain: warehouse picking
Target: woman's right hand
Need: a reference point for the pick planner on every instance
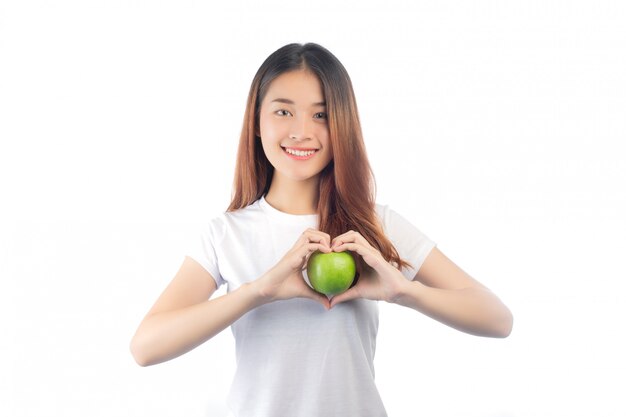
(285, 279)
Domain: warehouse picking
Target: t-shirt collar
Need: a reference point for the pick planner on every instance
(286, 217)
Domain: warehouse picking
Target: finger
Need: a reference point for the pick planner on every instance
(299, 255)
(320, 298)
(309, 248)
(351, 236)
(352, 246)
(311, 294)
(370, 255)
(341, 238)
(350, 294)
(304, 290)
(313, 235)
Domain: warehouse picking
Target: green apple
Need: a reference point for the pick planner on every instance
(331, 273)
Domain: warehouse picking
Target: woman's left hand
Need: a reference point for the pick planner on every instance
(378, 279)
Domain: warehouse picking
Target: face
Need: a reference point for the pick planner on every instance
(294, 127)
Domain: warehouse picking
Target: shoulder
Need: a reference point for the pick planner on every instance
(400, 229)
(382, 211)
(220, 224)
(390, 218)
(411, 243)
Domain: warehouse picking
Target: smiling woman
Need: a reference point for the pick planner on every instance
(303, 185)
(287, 97)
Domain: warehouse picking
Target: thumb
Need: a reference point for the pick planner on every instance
(311, 294)
(347, 295)
(320, 298)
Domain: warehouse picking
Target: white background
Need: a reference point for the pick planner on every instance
(496, 127)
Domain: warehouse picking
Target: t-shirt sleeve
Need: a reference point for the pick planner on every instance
(412, 245)
(202, 249)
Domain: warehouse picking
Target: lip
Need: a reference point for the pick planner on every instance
(299, 158)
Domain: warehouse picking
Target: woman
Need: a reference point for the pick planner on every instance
(303, 176)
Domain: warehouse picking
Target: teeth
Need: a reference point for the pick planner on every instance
(299, 153)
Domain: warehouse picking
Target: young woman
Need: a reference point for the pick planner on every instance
(302, 184)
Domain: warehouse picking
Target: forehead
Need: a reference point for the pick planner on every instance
(301, 87)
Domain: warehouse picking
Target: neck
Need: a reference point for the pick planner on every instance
(293, 197)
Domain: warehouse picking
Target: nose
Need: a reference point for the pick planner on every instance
(301, 129)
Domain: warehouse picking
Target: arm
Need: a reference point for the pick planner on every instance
(184, 317)
(446, 293)
(440, 289)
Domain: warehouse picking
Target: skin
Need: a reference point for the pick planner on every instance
(185, 316)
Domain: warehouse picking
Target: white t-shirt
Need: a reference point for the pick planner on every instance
(294, 358)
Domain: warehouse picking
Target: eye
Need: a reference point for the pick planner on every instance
(278, 111)
(322, 115)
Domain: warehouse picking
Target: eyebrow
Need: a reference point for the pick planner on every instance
(287, 101)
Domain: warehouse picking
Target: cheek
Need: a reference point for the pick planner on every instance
(269, 129)
(326, 141)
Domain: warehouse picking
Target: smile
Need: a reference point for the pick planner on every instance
(300, 154)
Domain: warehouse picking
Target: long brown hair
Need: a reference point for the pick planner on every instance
(347, 186)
